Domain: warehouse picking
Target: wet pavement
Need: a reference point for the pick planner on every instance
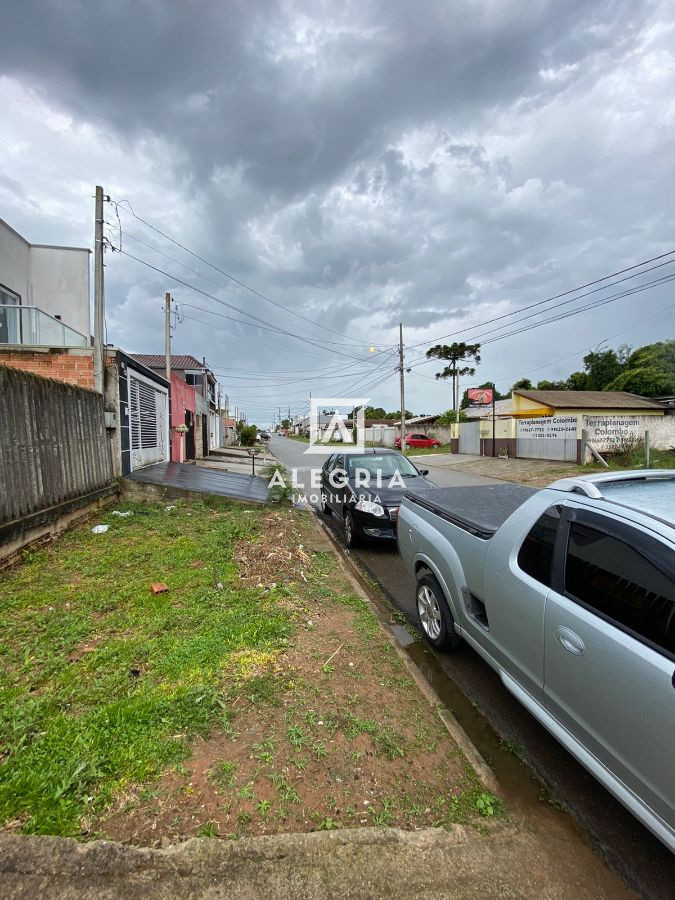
(203, 480)
(499, 726)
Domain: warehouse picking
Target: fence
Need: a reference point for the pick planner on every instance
(54, 454)
(382, 435)
(469, 437)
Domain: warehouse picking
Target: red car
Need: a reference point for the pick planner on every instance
(417, 440)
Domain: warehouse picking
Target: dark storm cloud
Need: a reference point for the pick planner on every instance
(363, 163)
(218, 78)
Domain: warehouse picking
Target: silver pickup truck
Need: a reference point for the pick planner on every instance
(569, 593)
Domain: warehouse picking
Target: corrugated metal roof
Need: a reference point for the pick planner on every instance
(158, 361)
(502, 408)
(590, 400)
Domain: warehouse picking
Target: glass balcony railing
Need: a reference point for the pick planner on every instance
(32, 327)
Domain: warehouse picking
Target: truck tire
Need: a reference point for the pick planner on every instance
(436, 621)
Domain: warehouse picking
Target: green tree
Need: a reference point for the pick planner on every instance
(523, 385)
(578, 381)
(455, 354)
(449, 417)
(374, 412)
(396, 416)
(649, 371)
(601, 368)
(546, 385)
(247, 435)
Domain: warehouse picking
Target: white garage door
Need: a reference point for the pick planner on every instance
(148, 421)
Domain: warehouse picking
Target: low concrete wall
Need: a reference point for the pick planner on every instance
(442, 433)
(607, 433)
(54, 454)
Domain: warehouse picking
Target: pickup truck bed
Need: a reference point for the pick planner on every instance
(479, 510)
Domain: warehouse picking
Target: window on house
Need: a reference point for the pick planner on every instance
(194, 379)
(10, 317)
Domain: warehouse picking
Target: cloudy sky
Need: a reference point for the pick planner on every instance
(358, 163)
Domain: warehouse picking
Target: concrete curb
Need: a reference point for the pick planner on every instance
(454, 729)
(361, 864)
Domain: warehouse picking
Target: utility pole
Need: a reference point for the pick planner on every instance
(227, 420)
(167, 334)
(99, 302)
(400, 364)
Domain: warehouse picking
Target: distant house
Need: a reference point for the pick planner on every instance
(550, 403)
(553, 424)
(228, 429)
(198, 375)
(137, 413)
(44, 309)
(502, 408)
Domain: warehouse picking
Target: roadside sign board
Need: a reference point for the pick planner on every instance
(479, 397)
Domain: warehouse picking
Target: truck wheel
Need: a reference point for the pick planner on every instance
(438, 625)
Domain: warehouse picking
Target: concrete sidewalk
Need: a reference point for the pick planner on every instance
(361, 864)
(235, 459)
(520, 470)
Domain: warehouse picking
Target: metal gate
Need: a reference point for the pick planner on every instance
(553, 437)
(148, 420)
(469, 437)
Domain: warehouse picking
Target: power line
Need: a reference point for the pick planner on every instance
(227, 274)
(622, 295)
(271, 326)
(585, 349)
(558, 296)
(231, 306)
(619, 296)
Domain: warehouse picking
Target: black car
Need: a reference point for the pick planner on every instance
(365, 490)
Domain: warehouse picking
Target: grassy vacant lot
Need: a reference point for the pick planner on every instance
(658, 459)
(427, 451)
(257, 695)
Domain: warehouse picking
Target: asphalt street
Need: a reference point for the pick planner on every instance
(627, 846)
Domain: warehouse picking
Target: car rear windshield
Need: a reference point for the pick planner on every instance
(384, 463)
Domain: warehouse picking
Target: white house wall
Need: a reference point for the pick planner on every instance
(55, 279)
(60, 282)
(14, 262)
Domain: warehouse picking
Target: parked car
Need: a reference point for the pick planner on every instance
(365, 490)
(417, 440)
(569, 593)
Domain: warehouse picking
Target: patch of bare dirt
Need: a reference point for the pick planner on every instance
(277, 556)
(330, 733)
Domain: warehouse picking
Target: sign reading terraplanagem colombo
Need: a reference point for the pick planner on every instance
(606, 432)
(548, 427)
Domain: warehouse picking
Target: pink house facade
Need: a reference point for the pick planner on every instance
(183, 405)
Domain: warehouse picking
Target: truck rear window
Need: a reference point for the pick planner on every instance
(536, 553)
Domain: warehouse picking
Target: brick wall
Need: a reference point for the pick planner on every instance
(72, 366)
